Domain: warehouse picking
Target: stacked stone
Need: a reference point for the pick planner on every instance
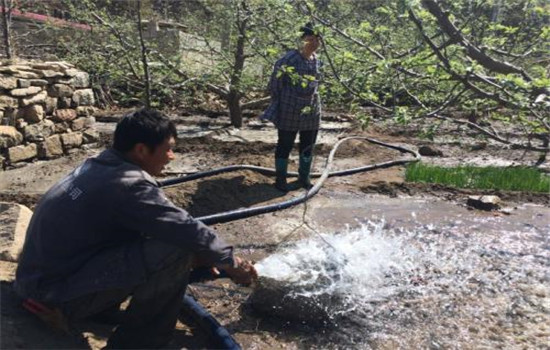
(46, 109)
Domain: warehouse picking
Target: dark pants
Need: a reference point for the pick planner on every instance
(151, 316)
(285, 142)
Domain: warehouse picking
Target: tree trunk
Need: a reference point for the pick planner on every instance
(144, 59)
(6, 21)
(234, 96)
(235, 112)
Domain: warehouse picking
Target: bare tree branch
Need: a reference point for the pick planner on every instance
(348, 88)
(256, 103)
(211, 87)
(362, 44)
(472, 51)
(122, 41)
(456, 76)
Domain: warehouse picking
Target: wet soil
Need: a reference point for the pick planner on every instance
(208, 143)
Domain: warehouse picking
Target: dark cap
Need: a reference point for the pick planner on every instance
(308, 29)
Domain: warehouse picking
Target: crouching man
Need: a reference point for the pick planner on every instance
(107, 231)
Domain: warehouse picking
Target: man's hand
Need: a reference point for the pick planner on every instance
(244, 273)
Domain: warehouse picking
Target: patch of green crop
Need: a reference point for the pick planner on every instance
(498, 178)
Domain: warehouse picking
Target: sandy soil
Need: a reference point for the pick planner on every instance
(208, 143)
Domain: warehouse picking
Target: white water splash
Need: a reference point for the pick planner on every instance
(357, 266)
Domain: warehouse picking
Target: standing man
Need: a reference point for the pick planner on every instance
(295, 106)
(107, 231)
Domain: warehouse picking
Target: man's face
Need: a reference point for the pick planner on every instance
(153, 162)
(313, 42)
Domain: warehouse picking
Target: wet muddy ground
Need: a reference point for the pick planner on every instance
(499, 297)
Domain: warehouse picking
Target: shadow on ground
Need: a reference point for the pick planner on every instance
(22, 330)
(229, 192)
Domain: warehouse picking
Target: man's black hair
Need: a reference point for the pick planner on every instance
(147, 126)
(308, 29)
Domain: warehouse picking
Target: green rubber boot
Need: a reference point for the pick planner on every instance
(303, 172)
(281, 168)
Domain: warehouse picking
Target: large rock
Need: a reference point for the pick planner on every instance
(430, 151)
(8, 70)
(8, 117)
(80, 80)
(8, 102)
(39, 98)
(82, 123)
(20, 153)
(484, 202)
(276, 298)
(20, 66)
(50, 148)
(63, 115)
(19, 71)
(51, 104)
(38, 82)
(7, 83)
(85, 111)
(31, 114)
(71, 140)
(64, 102)
(26, 75)
(55, 66)
(14, 220)
(23, 83)
(71, 72)
(60, 90)
(83, 97)
(32, 90)
(61, 127)
(9, 137)
(51, 74)
(90, 136)
(39, 131)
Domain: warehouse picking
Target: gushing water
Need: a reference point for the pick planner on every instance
(359, 265)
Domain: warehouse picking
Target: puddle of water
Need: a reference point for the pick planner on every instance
(429, 275)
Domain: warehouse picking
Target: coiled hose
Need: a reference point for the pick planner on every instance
(248, 212)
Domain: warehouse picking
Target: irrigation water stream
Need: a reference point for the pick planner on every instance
(414, 273)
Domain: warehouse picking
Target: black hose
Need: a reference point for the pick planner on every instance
(207, 322)
(248, 212)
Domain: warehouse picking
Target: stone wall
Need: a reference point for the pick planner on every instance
(46, 109)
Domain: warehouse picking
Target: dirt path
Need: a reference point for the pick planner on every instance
(206, 144)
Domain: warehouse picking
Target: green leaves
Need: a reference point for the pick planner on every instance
(374, 52)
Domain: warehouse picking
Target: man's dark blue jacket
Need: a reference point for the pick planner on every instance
(107, 204)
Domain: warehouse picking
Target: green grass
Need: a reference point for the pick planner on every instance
(498, 178)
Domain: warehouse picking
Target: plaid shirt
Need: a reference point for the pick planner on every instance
(295, 103)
